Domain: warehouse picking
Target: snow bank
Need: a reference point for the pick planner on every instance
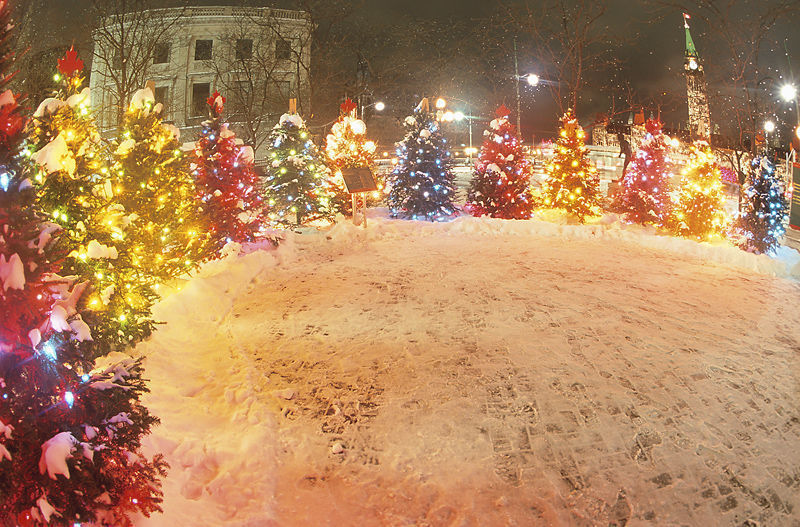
(785, 264)
(219, 442)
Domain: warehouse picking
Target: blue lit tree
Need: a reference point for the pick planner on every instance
(421, 185)
(764, 210)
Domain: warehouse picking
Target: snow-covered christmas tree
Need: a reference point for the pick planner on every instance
(572, 183)
(500, 184)
(421, 187)
(298, 186)
(69, 164)
(153, 183)
(227, 185)
(644, 195)
(69, 434)
(699, 211)
(764, 209)
(347, 147)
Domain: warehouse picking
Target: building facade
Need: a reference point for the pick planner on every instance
(258, 58)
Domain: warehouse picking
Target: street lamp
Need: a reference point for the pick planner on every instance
(379, 106)
(448, 116)
(789, 94)
(532, 79)
(769, 127)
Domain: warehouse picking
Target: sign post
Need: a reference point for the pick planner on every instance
(358, 182)
(794, 210)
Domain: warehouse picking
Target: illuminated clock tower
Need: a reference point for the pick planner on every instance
(696, 90)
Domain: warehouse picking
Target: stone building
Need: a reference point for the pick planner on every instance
(696, 89)
(258, 58)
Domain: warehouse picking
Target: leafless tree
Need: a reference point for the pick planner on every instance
(126, 38)
(568, 37)
(262, 63)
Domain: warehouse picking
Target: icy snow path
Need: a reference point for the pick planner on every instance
(470, 374)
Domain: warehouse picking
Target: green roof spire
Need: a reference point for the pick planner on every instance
(691, 51)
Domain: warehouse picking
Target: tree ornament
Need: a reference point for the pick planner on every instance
(70, 64)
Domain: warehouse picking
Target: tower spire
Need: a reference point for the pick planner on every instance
(691, 51)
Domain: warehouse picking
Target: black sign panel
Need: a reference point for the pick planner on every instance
(359, 180)
(794, 211)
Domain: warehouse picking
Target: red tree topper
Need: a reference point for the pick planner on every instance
(213, 102)
(653, 126)
(70, 64)
(347, 106)
(502, 111)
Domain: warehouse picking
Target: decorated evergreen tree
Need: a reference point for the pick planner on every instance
(347, 147)
(69, 434)
(298, 186)
(152, 181)
(644, 194)
(764, 210)
(572, 183)
(69, 164)
(422, 183)
(227, 185)
(699, 211)
(499, 187)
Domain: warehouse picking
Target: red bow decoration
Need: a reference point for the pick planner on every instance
(653, 126)
(502, 112)
(70, 64)
(216, 107)
(347, 106)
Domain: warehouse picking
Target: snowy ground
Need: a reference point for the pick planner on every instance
(481, 372)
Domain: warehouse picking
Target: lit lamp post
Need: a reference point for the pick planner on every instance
(379, 107)
(533, 80)
(441, 104)
(769, 127)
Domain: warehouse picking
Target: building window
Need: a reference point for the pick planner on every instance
(201, 91)
(283, 49)
(161, 53)
(202, 49)
(162, 96)
(279, 99)
(244, 49)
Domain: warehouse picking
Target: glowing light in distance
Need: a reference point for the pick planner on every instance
(788, 92)
(440, 103)
(532, 79)
(769, 127)
(379, 106)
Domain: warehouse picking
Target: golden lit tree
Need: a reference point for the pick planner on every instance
(69, 163)
(347, 147)
(153, 183)
(700, 212)
(572, 183)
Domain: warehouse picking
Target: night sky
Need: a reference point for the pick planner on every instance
(655, 54)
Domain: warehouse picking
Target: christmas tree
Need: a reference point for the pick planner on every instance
(572, 183)
(764, 210)
(421, 185)
(298, 187)
(347, 147)
(499, 187)
(69, 434)
(153, 183)
(699, 211)
(227, 185)
(644, 195)
(69, 164)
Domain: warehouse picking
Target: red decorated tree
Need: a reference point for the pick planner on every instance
(227, 185)
(644, 194)
(499, 187)
(70, 430)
